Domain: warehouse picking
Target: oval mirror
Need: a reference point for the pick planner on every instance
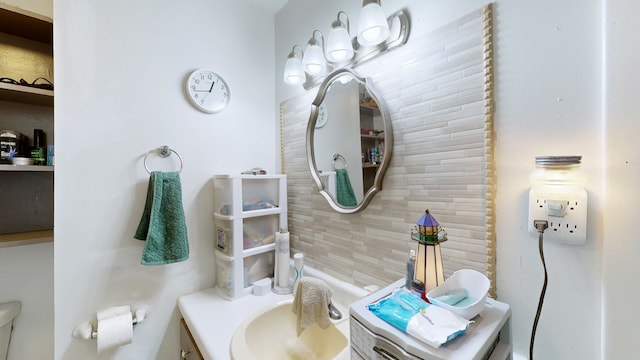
(349, 141)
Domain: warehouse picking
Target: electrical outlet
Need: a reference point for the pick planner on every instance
(567, 218)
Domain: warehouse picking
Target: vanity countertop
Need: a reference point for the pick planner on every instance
(206, 313)
(213, 320)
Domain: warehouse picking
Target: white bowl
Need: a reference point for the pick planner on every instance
(477, 286)
(22, 161)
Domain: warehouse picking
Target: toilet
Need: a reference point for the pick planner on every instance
(8, 312)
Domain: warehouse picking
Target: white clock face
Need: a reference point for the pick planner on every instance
(207, 91)
(322, 115)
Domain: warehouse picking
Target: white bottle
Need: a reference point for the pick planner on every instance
(281, 281)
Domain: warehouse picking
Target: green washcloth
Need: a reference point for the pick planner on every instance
(345, 194)
(163, 226)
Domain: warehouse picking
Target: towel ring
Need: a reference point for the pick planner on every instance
(164, 152)
(337, 157)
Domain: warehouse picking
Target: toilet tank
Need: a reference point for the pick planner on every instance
(8, 312)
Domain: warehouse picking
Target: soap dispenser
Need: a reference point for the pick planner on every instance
(411, 265)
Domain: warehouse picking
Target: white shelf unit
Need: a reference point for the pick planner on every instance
(248, 211)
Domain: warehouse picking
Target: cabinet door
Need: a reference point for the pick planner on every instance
(188, 348)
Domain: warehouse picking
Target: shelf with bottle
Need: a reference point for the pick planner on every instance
(27, 95)
(248, 211)
(26, 44)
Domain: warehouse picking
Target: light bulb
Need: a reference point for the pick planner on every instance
(293, 72)
(313, 60)
(339, 47)
(373, 27)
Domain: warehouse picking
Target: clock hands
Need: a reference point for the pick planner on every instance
(207, 91)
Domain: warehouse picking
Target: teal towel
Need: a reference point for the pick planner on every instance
(345, 194)
(163, 226)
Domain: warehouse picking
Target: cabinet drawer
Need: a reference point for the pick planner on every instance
(188, 348)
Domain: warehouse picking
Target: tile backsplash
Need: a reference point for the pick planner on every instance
(438, 89)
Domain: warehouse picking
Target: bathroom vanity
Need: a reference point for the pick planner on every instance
(210, 321)
(488, 337)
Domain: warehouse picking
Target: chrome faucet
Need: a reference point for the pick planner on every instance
(334, 313)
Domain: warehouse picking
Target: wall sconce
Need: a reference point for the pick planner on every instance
(293, 72)
(557, 196)
(558, 203)
(428, 268)
(339, 46)
(313, 60)
(373, 27)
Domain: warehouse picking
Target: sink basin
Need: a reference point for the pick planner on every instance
(271, 334)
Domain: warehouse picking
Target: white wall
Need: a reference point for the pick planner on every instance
(26, 275)
(548, 94)
(621, 249)
(120, 67)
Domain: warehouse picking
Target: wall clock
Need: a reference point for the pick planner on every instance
(322, 115)
(207, 91)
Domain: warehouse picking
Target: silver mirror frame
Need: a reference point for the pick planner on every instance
(388, 140)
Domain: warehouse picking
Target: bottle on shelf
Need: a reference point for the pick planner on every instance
(39, 150)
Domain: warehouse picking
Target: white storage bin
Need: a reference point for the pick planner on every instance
(258, 231)
(223, 196)
(224, 236)
(476, 284)
(260, 193)
(257, 267)
(224, 276)
(248, 211)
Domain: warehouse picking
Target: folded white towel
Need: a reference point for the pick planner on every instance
(311, 303)
(436, 326)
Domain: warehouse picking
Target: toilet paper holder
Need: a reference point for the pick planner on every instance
(86, 331)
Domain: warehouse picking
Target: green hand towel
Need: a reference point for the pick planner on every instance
(346, 196)
(163, 226)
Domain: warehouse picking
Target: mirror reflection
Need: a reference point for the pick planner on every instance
(349, 141)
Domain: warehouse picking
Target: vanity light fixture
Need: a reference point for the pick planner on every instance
(339, 46)
(428, 268)
(293, 72)
(313, 60)
(373, 27)
(343, 52)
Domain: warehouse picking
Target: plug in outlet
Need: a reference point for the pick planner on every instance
(567, 218)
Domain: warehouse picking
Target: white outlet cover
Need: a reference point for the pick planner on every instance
(568, 227)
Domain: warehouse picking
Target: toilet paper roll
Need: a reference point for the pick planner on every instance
(115, 328)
